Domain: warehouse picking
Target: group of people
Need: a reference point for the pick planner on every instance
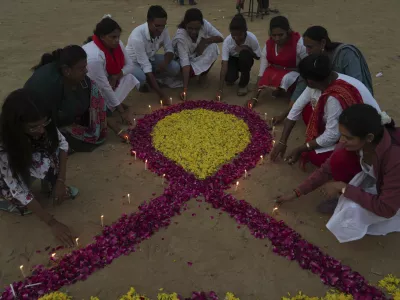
(68, 102)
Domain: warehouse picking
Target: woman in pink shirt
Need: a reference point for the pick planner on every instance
(369, 203)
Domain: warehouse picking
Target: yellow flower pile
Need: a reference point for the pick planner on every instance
(55, 296)
(200, 140)
(230, 296)
(132, 295)
(392, 285)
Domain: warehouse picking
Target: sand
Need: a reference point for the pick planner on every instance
(224, 257)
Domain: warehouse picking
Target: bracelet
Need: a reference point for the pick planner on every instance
(297, 192)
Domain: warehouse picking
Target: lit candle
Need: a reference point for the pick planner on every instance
(161, 103)
(102, 220)
(129, 198)
(21, 267)
(184, 95)
(77, 242)
(126, 137)
(265, 116)
(163, 179)
(133, 153)
(275, 210)
(150, 108)
(245, 173)
(145, 164)
(170, 100)
(273, 130)
(53, 256)
(237, 184)
(134, 122)
(262, 158)
(273, 143)
(219, 98)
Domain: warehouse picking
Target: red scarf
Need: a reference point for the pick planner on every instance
(115, 59)
(345, 93)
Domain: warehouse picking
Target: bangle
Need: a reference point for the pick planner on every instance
(344, 190)
(297, 192)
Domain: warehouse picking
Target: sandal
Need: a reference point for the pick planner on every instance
(252, 103)
(11, 208)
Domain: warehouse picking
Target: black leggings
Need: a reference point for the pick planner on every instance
(242, 64)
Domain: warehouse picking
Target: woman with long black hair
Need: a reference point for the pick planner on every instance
(31, 147)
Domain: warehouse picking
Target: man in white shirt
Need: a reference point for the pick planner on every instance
(143, 44)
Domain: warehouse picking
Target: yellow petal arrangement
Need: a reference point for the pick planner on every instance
(391, 284)
(200, 140)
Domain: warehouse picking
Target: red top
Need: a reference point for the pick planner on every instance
(287, 53)
(386, 166)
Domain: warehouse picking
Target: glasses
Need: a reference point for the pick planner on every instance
(38, 128)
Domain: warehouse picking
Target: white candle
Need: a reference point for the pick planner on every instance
(273, 130)
(161, 103)
(77, 242)
(12, 291)
(219, 98)
(21, 267)
(163, 179)
(275, 210)
(134, 122)
(237, 184)
(129, 198)
(262, 158)
(150, 108)
(145, 164)
(102, 220)
(184, 95)
(273, 143)
(245, 173)
(134, 153)
(170, 100)
(265, 116)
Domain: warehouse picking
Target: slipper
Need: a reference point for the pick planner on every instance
(11, 208)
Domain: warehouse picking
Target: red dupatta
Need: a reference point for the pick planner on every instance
(115, 59)
(345, 93)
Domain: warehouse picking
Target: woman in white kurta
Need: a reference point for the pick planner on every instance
(327, 95)
(369, 203)
(110, 67)
(195, 43)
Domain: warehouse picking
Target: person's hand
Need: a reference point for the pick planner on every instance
(183, 95)
(278, 150)
(161, 68)
(62, 233)
(218, 97)
(278, 119)
(113, 80)
(201, 46)
(281, 199)
(59, 192)
(294, 156)
(127, 117)
(333, 189)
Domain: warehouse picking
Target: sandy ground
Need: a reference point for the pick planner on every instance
(224, 257)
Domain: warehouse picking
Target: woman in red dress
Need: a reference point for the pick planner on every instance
(279, 59)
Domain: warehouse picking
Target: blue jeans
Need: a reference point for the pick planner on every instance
(173, 69)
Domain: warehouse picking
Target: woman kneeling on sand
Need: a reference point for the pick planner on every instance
(31, 147)
(369, 203)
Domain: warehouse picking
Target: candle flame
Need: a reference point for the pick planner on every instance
(237, 183)
(102, 216)
(163, 175)
(53, 255)
(145, 161)
(21, 267)
(262, 157)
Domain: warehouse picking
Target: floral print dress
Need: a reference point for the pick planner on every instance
(45, 165)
